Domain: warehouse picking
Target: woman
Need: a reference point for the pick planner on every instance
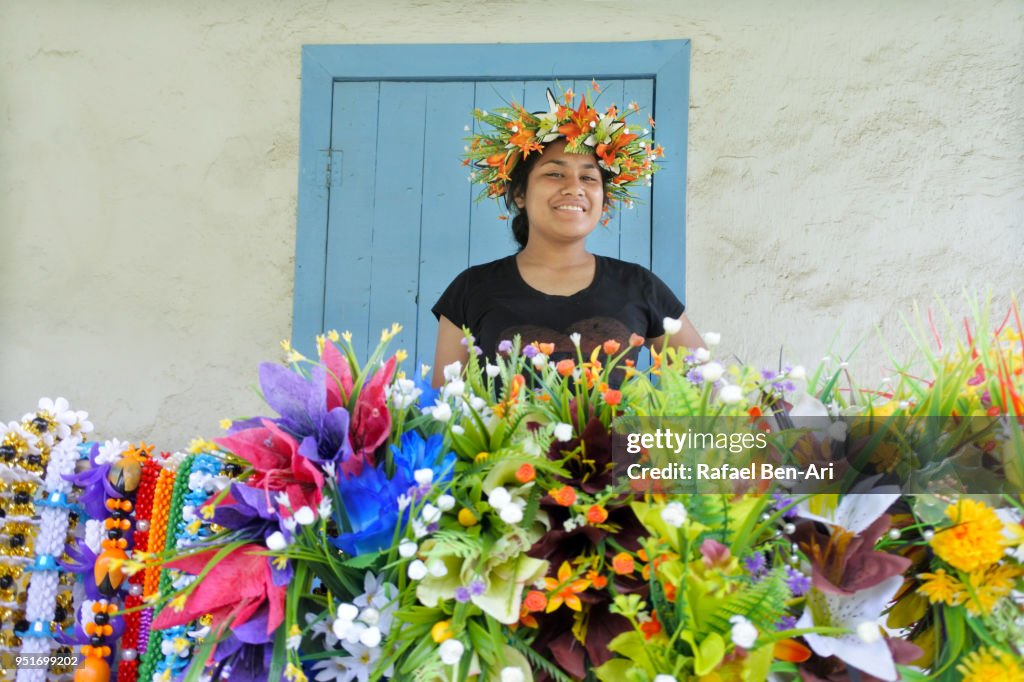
(557, 172)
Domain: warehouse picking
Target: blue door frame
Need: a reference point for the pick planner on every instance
(665, 62)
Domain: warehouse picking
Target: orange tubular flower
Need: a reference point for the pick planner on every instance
(612, 397)
(636, 340)
(610, 347)
(526, 473)
(597, 514)
(623, 563)
(546, 348)
(597, 580)
(567, 589)
(651, 627)
(565, 496)
(535, 601)
(565, 367)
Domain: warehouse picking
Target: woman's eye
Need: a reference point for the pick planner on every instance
(589, 178)
(554, 175)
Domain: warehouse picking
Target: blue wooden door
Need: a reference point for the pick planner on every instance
(392, 219)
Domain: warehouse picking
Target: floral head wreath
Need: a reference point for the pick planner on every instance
(514, 133)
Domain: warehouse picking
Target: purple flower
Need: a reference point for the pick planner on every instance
(302, 404)
(786, 623)
(767, 374)
(465, 341)
(462, 595)
(477, 587)
(798, 582)
(530, 351)
(690, 359)
(755, 564)
(787, 386)
(785, 502)
(695, 377)
(505, 346)
(478, 350)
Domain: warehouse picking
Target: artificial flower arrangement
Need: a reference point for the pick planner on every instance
(383, 530)
(375, 528)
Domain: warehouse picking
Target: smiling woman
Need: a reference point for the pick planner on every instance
(558, 172)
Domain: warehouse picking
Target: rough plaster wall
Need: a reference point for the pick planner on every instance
(845, 159)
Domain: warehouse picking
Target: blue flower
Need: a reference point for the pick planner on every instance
(371, 499)
(416, 454)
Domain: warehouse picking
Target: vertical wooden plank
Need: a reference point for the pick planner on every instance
(447, 193)
(490, 237)
(312, 218)
(350, 235)
(668, 219)
(394, 254)
(635, 222)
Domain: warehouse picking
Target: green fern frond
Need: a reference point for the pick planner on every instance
(762, 603)
(538, 662)
(452, 543)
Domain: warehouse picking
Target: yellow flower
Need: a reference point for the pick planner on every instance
(225, 424)
(320, 340)
(293, 673)
(388, 334)
(975, 541)
(941, 587)
(466, 517)
(442, 631)
(401, 354)
(207, 511)
(333, 335)
(178, 603)
(132, 566)
(989, 664)
(986, 588)
(347, 335)
(295, 356)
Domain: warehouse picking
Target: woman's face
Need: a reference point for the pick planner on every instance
(564, 195)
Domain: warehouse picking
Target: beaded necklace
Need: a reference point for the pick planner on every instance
(42, 604)
(127, 668)
(17, 529)
(124, 476)
(155, 644)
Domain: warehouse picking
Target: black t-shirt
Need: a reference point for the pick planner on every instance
(496, 303)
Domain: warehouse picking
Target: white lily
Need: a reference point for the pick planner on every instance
(870, 655)
(854, 513)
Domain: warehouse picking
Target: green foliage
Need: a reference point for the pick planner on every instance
(762, 603)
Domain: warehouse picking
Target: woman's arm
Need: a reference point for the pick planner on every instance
(687, 336)
(449, 348)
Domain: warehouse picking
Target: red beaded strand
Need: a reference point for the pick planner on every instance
(128, 666)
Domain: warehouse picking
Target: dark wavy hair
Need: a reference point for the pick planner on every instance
(518, 179)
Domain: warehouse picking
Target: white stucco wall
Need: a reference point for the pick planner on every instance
(846, 158)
